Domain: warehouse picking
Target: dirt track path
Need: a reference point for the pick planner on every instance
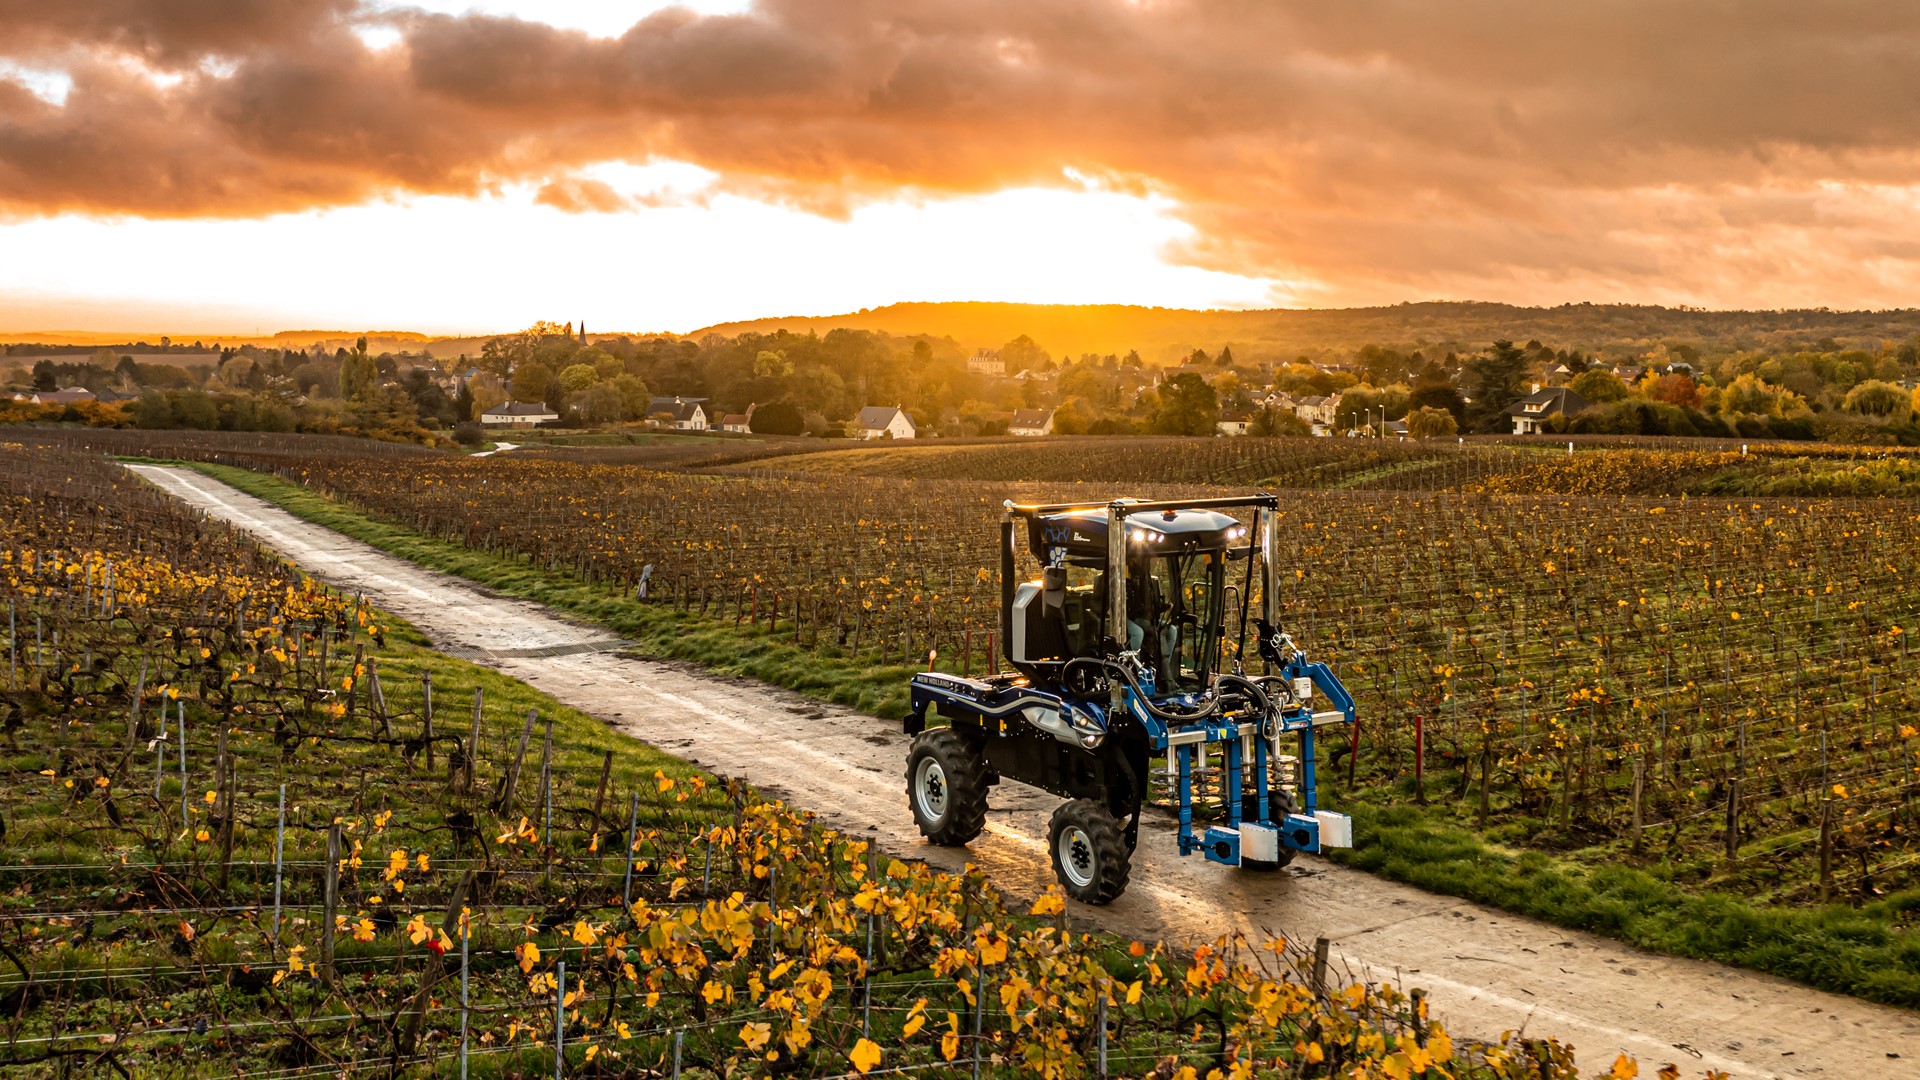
(1489, 971)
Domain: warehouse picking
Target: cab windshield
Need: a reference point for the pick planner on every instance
(1175, 609)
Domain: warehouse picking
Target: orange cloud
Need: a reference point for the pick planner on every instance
(1682, 151)
(580, 195)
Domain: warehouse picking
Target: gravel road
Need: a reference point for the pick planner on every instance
(1488, 971)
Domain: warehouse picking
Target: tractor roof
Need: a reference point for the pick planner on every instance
(1083, 533)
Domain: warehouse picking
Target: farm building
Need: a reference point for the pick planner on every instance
(883, 422)
(1233, 424)
(1031, 422)
(518, 414)
(1530, 413)
(678, 413)
(739, 423)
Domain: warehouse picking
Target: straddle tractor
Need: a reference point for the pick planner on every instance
(1121, 670)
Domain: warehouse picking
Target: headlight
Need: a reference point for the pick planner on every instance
(1084, 723)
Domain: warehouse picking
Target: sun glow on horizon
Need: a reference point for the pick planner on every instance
(680, 258)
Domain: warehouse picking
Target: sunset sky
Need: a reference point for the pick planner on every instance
(232, 166)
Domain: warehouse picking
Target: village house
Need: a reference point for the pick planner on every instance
(1233, 423)
(678, 413)
(883, 422)
(986, 362)
(72, 395)
(1318, 411)
(1031, 422)
(517, 414)
(1531, 413)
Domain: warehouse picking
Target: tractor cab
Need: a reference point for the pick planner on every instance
(1176, 592)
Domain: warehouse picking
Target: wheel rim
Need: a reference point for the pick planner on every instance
(930, 790)
(1076, 856)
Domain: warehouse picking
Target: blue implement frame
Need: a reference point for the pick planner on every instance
(1001, 705)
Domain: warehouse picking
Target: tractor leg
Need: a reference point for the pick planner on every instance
(1183, 754)
(1262, 778)
(1235, 763)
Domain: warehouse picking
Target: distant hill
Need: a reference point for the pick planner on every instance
(1164, 334)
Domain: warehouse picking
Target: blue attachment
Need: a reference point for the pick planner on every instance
(1222, 846)
(1301, 832)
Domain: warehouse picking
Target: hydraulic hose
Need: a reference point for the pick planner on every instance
(1251, 689)
(1212, 708)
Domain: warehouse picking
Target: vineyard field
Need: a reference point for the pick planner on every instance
(1718, 689)
(254, 828)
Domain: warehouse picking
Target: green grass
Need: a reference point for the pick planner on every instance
(656, 630)
(1869, 951)
(1866, 951)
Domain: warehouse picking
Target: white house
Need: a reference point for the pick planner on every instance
(678, 413)
(739, 423)
(883, 422)
(986, 362)
(1233, 424)
(1031, 422)
(517, 414)
(1317, 411)
(1531, 413)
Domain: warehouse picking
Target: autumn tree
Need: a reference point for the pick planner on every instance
(1024, 354)
(1495, 379)
(777, 418)
(1876, 398)
(359, 375)
(1678, 390)
(532, 382)
(577, 378)
(1599, 386)
(634, 396)
(1431, 423)
(1188, 406)
(1434, 389)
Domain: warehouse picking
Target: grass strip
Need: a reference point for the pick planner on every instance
(1868, 951)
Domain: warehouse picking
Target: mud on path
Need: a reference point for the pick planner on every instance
(1489, 971)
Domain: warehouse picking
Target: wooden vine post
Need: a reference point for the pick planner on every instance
(426, 720)
(1826, 849)
(330, 902)
(1639, 799)
(512, 780)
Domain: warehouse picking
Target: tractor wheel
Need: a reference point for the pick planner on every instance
(947, 787)
(1090, 856)
(1279, 803)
